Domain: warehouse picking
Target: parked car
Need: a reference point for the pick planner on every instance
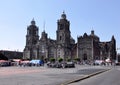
(61, 65)
(117, 63)
(54, 65)
(99, 62)
(70, 65)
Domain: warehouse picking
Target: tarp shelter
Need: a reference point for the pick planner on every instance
(25, 61)
(40, 62)
(4, 63)
(108, 60)
(16, 60)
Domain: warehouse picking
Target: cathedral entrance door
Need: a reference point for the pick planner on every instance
(84, 56)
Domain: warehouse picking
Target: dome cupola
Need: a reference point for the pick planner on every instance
(63, 16)
(33, 22)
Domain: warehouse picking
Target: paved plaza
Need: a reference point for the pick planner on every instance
(44, 75)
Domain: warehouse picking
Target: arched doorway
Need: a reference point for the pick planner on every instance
(84, 56)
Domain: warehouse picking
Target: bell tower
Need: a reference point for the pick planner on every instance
(32, 38)
(63, 38)
(63, 31)
(32, 34)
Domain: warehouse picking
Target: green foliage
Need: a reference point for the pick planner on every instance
(68, 59)
(60, 59)
(77, 59)
(52, 59)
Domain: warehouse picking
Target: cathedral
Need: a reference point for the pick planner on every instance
(87, 47)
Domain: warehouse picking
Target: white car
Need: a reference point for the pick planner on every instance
(99, 62)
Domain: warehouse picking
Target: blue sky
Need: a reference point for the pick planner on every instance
(102, 16)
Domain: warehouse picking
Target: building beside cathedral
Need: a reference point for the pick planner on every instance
(87, 48)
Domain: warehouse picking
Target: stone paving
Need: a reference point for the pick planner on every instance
(43, 75)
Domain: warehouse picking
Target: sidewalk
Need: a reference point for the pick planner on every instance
(88, 73)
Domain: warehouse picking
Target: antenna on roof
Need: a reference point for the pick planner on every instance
(44, 25)
(92, 31)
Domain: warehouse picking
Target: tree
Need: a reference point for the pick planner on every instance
(60, 59)
(52, 60)
(68, 59)
(77, 59)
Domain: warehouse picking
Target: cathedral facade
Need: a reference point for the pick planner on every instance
(87, 48)
(46, 48)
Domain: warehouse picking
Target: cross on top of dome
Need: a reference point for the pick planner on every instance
(33, 22)
(63, 16)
